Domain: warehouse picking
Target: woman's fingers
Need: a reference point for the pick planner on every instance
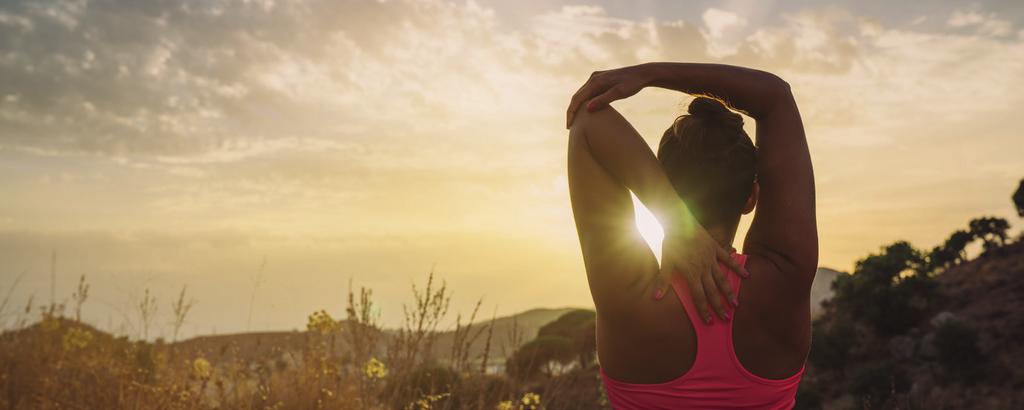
(699, 298)
(714, 296)
(726, 258)
(574, 103)
(589, 89)
(604, 99)
(723, 286)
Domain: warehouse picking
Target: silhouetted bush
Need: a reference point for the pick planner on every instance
(481, 391)
(808, 397)
(874, 383)
(956, 344)
(537, 356)
(831, 343)
(951, 252)
(891, 290)
(991, 230)
(426, 381)
(576, 389)
(578, 327)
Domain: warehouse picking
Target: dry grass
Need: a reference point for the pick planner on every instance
(50, 361)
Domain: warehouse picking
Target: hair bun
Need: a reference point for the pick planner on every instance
(710, 109)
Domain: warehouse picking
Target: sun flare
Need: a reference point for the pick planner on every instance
(649, 227)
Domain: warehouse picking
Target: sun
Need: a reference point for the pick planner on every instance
(649, 227)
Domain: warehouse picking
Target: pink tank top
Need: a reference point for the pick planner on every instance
(716, 380)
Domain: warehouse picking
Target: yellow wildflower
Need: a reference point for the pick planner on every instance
(322, 322)
(375, 369)
(505, 405)
(76, 339)
(202, 369)
(427, 402)
(531, 401)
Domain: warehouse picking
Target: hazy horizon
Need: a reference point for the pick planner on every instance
(163, 144)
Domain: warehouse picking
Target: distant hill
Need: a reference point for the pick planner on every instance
(821, 289)
(262, 345)
(526, 324)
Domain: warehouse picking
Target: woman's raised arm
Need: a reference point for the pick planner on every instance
(784, 229)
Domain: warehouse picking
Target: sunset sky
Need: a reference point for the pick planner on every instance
(156, 144)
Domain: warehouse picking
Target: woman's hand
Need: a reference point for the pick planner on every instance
(603, 87)
(689, 251)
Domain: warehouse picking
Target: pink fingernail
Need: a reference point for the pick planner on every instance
(734, 301)
(659, 293)
(590, 106)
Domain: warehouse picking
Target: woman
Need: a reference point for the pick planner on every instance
(669, 352)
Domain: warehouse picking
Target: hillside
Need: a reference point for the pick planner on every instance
(262, 345)
(964, 354)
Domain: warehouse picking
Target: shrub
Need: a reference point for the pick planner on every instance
(578, 327)
(538, 355)
(956, 344)
(876, 383)
(426, 381)
(891, 290)
(808, 397)
(991, 230)
(831, 343)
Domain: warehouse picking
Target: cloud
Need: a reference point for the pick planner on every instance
(986, 23)
(179, 79)
(719, 25)
(807, 42)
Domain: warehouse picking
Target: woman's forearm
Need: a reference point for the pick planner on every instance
(752, 91)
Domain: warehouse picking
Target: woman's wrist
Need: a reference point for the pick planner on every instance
(650, 73)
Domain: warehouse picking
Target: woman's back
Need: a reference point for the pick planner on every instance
(716, 376)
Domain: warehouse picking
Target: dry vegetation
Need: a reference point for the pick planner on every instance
(54, 360)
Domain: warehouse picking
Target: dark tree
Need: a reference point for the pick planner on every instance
(578, 327)
(940, 257)
(891, 291)
(991, 230)
(539, 356)
(1018, 199)
(956, 245)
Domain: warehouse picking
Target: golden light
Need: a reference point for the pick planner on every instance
(649, 227)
